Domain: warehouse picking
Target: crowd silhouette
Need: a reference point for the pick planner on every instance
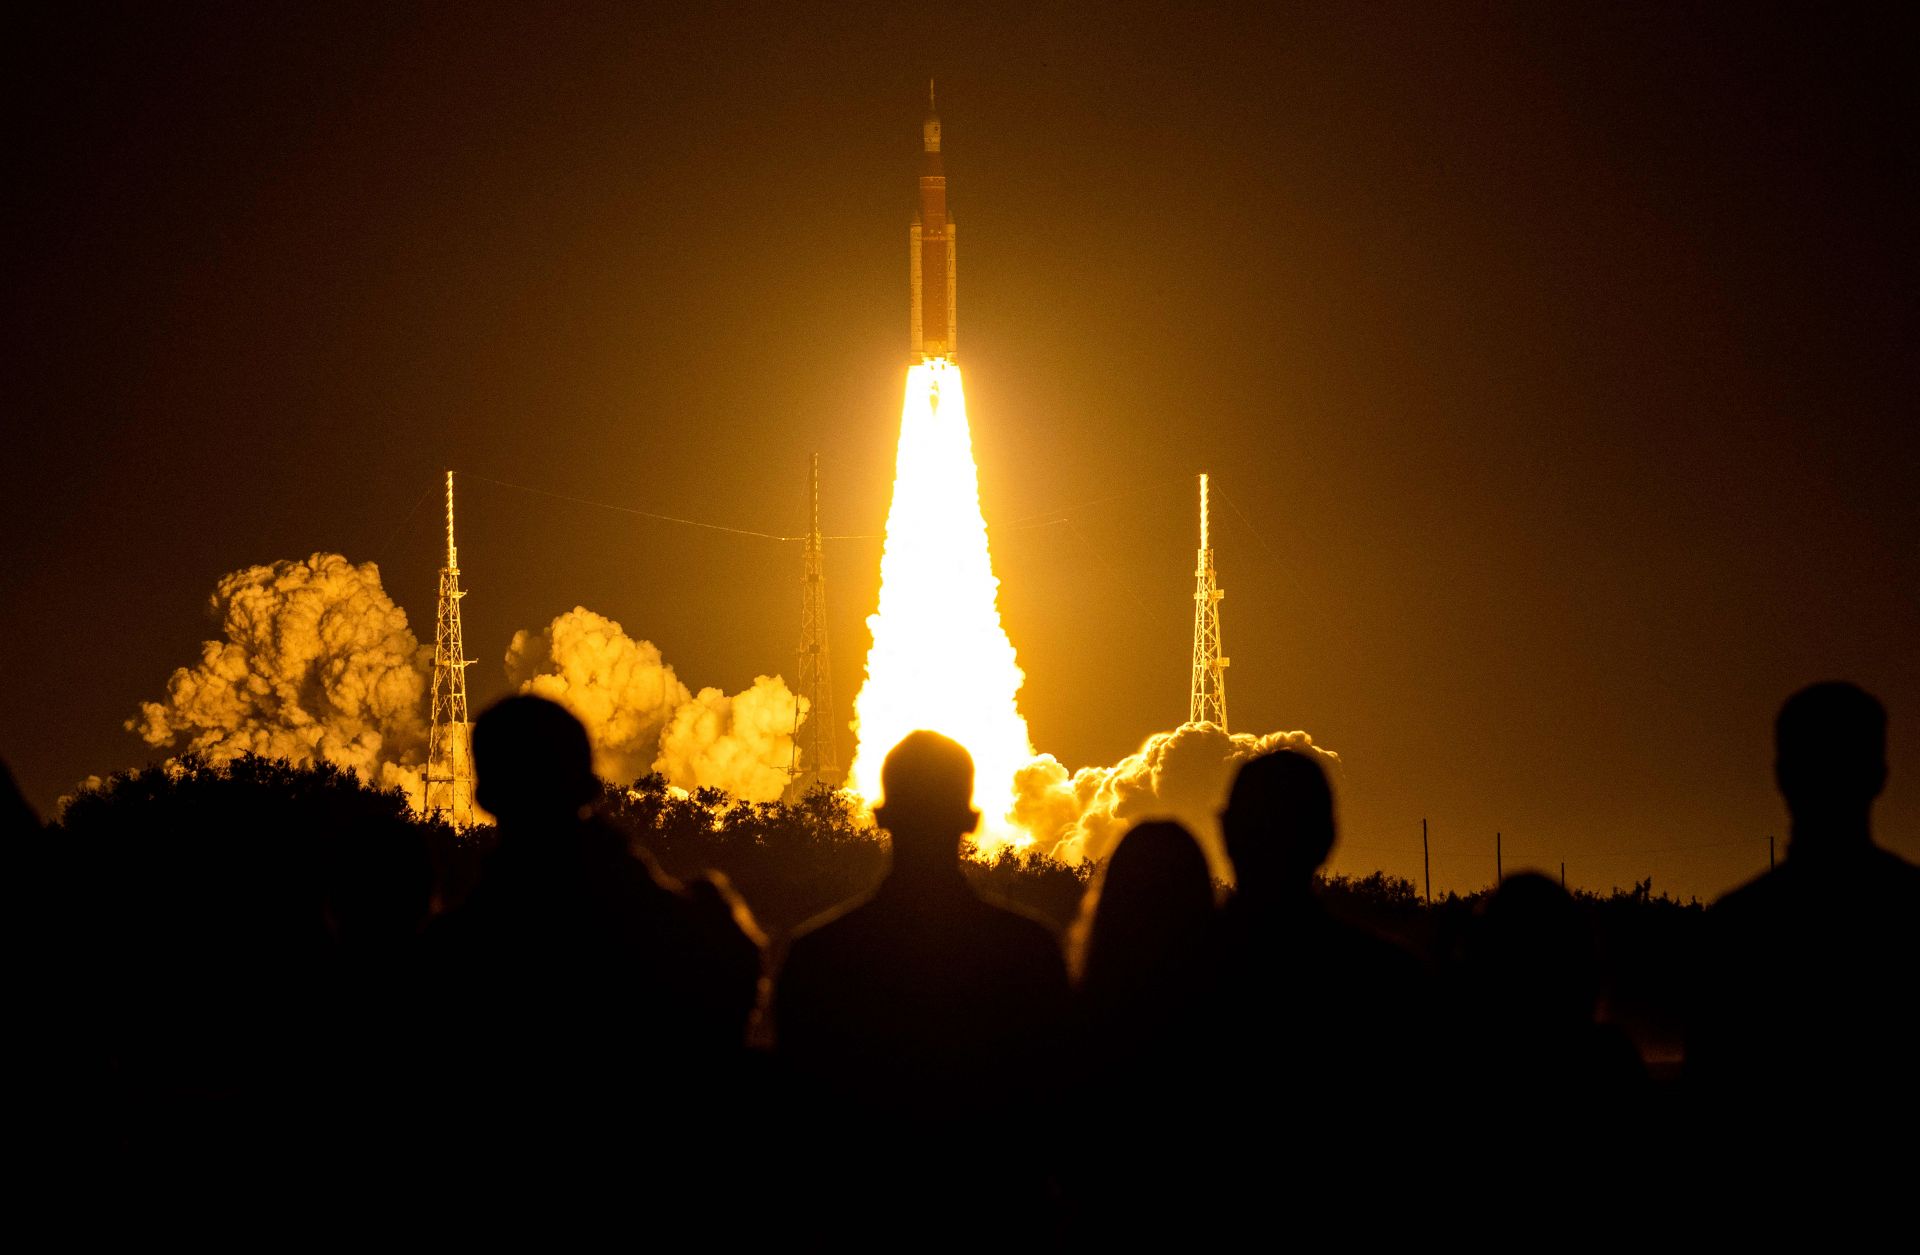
(244, 989)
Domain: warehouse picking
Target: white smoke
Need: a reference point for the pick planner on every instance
(317, 665)
(1183, 775)
(641, 718)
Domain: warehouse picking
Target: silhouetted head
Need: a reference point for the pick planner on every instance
(532, 762)
(1531, 955)
(1153, 903)
(1830, 757)
(1157, 868)
(926, 788)
(1278, 822)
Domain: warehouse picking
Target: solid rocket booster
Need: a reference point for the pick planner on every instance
(931, 253)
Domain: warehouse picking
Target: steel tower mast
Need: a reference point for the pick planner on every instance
(815, 755)
(1207, 702)
(448, 788)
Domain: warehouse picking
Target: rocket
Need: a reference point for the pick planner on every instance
(931, 253)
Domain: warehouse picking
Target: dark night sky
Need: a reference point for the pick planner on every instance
(1560, 361)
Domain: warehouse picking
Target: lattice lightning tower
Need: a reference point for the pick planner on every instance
(815, 756)
(448, 790)
(1208, 701)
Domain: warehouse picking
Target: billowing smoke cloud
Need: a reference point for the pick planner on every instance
(742, 744)
(317, 665)
(1183, 774)
(619, 687)
(642, 718)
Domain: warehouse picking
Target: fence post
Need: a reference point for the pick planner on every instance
(1426, 864)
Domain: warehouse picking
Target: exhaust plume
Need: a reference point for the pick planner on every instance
(743, 743)
(317, 665)
(1183, 775)
(641, 718)
(619, 687)
(940, 657)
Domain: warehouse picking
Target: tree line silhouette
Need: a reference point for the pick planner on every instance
(827, 1028)
(791, 860)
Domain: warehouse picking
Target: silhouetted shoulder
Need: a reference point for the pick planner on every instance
(1612, 1057)
(883, 930)
(1799, 979)
(1757, 895)
(820, 958)
(923, 977)
(1372, 947)
(805, 936)
(1898, 875)
(1313, 925)
(1020, 926)
(1754, 895)
(1866, 881)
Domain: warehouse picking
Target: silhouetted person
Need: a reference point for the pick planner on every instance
(1324, 1020)
(1524, 1001)
(1536, 1096)
(592, 1006)
(1147, 954)
(924, 1026)
(1145, 1042)
(1807, 1003)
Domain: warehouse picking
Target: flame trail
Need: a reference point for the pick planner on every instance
(940, 658)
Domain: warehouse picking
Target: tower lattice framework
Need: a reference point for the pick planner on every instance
(816, 757)
(1207, 702)
(448, 789)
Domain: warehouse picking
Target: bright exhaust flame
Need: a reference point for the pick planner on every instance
(940, 658)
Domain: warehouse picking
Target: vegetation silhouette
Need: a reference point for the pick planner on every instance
(793, 861)
(238, 933)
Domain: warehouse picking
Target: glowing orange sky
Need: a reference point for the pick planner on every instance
(1555, 370)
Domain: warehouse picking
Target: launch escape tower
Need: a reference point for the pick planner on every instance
(932, 252)
(448, 788)
(1208, 700)
(815, 757)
